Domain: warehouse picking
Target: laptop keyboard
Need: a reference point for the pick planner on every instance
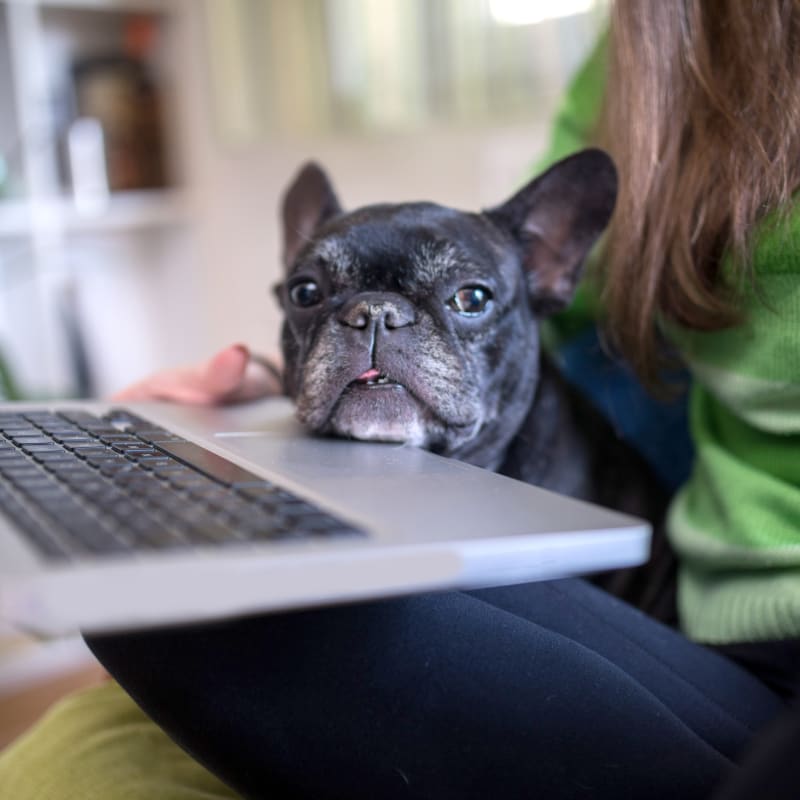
(84, 485)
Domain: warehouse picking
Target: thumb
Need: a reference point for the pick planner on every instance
(235, 375)
(224, 373)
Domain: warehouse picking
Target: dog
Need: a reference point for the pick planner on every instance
(419, 323)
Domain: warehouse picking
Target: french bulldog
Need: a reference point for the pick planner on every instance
(418, 323)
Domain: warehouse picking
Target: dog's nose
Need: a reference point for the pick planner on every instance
(388, 310)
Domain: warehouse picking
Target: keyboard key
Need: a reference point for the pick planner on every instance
(121, 417)
(26, 477)
(112, 468)
(188, 479)
(145, 529)
(17, 462)
(106, 458)
(158, 437)
(92, 452)
(78, 417)
(89, 444)
(156, 462)
(39, 416)
(60, 429)
(259, 492)
(64, 468)
(122, 509)
(23, 441)
(213, 465)
(112, 438)
(53, 455)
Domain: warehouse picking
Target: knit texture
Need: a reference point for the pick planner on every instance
(735, 523)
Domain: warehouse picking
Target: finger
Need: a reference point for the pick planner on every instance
(258, 381)
(224, 374)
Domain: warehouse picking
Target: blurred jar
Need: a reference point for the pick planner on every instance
(119, 93)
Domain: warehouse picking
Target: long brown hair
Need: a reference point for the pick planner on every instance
(702, 115)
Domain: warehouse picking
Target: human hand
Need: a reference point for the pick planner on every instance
(233, 375)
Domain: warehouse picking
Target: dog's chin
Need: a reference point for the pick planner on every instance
(386, 413)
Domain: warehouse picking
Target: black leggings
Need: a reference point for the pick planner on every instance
(551, 690)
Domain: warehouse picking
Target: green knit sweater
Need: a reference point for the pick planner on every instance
(736, 523)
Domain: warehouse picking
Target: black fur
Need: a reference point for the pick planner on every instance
(371, 292)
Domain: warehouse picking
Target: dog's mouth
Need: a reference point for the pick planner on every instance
(380, 404)
(373, 379)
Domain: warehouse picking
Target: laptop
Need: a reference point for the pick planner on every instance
(157, 514)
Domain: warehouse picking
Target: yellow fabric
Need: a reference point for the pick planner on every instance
(98, 745)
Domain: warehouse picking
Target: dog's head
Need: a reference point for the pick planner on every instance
(417, 323)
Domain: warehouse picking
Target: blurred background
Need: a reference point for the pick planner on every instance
(145, 144)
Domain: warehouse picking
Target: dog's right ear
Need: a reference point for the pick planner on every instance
(555, 219)
(309, 201)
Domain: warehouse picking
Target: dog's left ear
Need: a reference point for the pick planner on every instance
(309, 201)
(555, 219)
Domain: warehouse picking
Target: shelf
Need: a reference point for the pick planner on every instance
(125, 212)
(25, 661)
(126, 6)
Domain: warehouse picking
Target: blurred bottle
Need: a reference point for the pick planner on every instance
(87, 165)
(120, 93)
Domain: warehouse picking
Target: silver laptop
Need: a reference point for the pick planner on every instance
(157, 514)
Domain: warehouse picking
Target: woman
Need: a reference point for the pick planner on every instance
(558, 689)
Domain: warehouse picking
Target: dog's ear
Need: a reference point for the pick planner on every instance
(555, 219)
(309, 201)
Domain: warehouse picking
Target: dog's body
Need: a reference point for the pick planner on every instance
(417, 323)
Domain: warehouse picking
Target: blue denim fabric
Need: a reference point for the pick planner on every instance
(658, 429)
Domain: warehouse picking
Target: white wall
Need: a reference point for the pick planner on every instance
(175, 289)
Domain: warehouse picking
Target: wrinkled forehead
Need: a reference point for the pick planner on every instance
(386, 246)
(351, 258)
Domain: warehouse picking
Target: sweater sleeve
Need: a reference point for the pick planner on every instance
(736, 523)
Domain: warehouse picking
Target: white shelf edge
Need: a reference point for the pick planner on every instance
(43, 661)
(125, 212)
(127, 6)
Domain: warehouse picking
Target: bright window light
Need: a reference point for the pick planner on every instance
(529, 12)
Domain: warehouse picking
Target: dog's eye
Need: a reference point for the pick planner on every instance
(470, 301)
(305, 294)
